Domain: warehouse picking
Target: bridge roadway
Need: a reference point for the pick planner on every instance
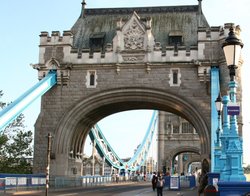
(115, 189)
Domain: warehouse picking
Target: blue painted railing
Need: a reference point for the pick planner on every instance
(15, 181)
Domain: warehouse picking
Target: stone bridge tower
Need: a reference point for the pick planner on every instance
(177, 138)
(119, 59)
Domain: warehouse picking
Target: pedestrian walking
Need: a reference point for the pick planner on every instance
(117, 178)
(154, 181)
(159, 185)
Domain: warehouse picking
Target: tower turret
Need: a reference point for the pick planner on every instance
(83, 9)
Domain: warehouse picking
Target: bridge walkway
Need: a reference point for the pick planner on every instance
(114, 189)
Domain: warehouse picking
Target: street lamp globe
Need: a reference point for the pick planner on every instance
(232, 48)
(218, 104)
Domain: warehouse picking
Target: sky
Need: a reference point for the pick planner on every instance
(22, 21)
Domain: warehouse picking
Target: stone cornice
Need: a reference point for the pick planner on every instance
(141, 10)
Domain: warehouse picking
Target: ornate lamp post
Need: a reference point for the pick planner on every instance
(218, 104)
(232, 144)
(217, 143)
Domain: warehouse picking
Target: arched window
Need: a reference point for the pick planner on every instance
(91, 79)
(175, 77)
(88, 169)
(187, 128)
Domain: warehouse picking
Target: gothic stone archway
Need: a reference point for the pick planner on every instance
(74, 125)
(173, 150)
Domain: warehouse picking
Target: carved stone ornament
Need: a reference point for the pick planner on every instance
(134, 37)
(133, 58)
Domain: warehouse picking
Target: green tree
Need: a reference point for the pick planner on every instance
(15, 146)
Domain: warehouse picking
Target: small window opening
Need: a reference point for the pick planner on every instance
(175, 40)
(92, 79)
(175, 76)
(96, 42)
(187, 127)
(175, 129)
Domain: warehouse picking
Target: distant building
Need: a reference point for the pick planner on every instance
(95, 166)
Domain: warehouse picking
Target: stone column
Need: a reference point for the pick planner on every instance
(160, 139)
(103, 166)
(61, 165)
(180, 164)
(93, 159)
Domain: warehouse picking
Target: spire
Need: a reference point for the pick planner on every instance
(83, 9)
(200, 10)
(199, 13)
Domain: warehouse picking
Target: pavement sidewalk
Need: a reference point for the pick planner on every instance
(148, 192)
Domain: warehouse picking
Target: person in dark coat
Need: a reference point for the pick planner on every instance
(159, 185)
(154, 181)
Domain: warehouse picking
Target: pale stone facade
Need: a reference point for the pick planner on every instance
(95, 166)
(120, 59)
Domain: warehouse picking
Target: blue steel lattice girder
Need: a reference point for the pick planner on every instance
(94, 134)
(101, 135)
(215, 90)
(8, 114)
(139, 157)
(139, 150)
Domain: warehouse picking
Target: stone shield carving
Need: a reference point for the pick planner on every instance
(134, 37)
